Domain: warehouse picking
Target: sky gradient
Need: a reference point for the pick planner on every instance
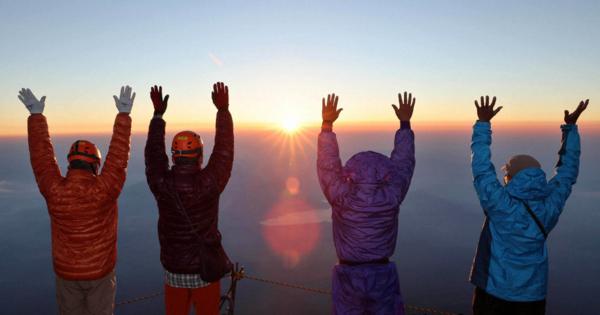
(278, 59)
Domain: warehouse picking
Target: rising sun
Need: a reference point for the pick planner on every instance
(290, 125)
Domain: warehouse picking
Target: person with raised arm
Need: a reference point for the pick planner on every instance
(187, 196)
(365, 196)
(510, 269)
(83, 208)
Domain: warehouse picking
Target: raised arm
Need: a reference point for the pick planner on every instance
(567, 168)
(403, 154)
(221, 159)
(41, 152)
(115, 167)
(488, 188)
(329, 165)
(155, 156)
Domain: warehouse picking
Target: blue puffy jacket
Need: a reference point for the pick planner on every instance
(512, 259)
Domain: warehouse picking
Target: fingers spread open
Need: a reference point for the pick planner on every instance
(493, 101)
(477, 105)
(413, 102)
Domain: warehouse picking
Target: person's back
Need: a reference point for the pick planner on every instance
(510, 269)
(188, 203)
(365, 213)
(82, 207)
(365, 196)
(187, 196)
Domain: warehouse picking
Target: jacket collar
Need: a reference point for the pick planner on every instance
(185, 169)
(79, 173)
(529, 183)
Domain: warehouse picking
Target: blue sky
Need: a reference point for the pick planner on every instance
(280, 58)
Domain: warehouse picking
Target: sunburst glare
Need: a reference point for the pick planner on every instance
(290, 125)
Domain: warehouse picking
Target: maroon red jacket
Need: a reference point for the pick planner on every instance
(190, 242)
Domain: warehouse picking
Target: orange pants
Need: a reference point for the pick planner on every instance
(206, 300)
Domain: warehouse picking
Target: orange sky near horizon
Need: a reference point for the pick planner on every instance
(104, 126)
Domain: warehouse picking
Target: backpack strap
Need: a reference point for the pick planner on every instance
(536, 219)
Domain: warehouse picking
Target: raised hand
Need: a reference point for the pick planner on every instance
(125, 101)
(160, 104)
(404, 113)
(31, 102)
(571, 118)
(329, 109)
(220, 96)
(486, 111)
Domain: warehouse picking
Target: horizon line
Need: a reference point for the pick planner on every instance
(374, 125)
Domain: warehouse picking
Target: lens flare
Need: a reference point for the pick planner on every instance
(292, 185)
(292, 240)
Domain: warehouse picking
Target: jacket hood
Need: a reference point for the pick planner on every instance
(529, 183)
(368, 168)
(371, 174)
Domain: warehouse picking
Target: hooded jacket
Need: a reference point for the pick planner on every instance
(365, 195)
(511, 262)
(82, 206)
(190, 242)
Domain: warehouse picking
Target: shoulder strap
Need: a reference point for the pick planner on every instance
(536, 219)
(179, 205)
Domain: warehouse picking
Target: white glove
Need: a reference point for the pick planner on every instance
(125, 101)
(31, 102)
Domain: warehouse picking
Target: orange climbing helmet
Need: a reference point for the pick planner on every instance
(85, 151)
(187, 144)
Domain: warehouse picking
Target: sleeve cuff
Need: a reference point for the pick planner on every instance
(483, 124)
(327, 126)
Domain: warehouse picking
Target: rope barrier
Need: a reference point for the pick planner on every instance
(287, 285)
(239, 273)
(413, 308)
(139, 299)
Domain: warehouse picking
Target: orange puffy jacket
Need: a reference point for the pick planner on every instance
(82, 206)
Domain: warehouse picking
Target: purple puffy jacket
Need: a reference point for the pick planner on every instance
(366, 195)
